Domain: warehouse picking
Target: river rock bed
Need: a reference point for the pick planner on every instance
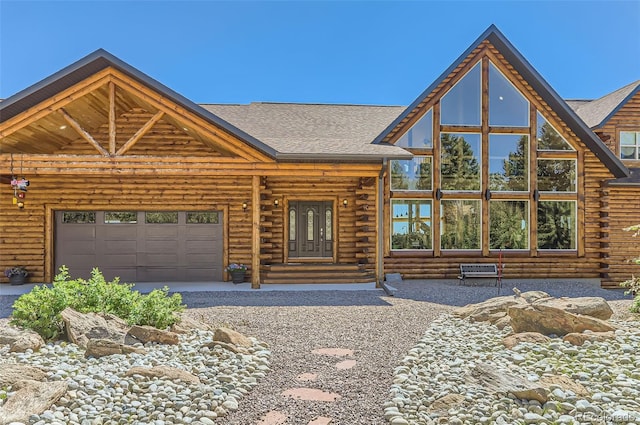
(100, 393)
(430, 386)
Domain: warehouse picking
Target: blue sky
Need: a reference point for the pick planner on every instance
(362, 52)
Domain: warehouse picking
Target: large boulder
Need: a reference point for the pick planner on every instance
(489, 378)
(231, 337)
(150, 334)
(532, 337)
(553, 321)
(31, 398)
(105, 347)
(581, 338)
(20, 340)
(589, 306)
(12, 373)
(495, 309)
(81, 327)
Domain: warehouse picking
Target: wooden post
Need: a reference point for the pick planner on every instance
(112, 118)
(484, 149)
(255, 232)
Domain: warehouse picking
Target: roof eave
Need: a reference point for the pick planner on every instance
(341, 157)
(101, 59)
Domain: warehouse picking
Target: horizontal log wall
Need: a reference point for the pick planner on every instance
(351, 248)
(23, 232)
(626, 119)
(624, 211)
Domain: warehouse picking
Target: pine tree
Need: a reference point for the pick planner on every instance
(459, 167)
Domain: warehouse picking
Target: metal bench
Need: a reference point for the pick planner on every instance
(480, 271)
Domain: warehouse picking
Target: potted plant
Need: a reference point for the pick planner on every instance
(237, 272)
(16, 275)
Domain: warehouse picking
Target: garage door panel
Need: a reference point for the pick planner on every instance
(142, 252)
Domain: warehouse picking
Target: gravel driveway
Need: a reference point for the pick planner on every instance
(379, 329)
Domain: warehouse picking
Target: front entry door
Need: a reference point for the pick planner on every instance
(310, 229)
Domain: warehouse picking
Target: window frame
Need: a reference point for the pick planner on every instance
(636, 145)
(391, 226)
(575, 227)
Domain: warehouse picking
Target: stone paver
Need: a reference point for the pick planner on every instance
(310, 394)
(346, 364)
(337, 352)
(273, 417)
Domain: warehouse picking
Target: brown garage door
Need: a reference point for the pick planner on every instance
(138, 246)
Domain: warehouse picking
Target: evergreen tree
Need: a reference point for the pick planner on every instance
(424, 175)
(459, 167)
(398, 176)
(555, 230)
(506, 229)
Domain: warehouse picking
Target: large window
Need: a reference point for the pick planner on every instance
(509, 225)
(411, 174)
(460, 227)
(548, 137)
(557, 225)
(420, 135)
(509, 162)
(461, 105)
(411, 224)
(630, 144)
(460, 161)
(507, 106)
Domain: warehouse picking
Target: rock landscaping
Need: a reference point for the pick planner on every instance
(163, 378)
(473, 367)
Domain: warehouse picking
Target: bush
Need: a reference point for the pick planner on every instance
(40, 309)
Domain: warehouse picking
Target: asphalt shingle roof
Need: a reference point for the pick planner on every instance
(294, 129)
(596, 113)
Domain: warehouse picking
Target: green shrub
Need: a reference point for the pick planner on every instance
(40, 309)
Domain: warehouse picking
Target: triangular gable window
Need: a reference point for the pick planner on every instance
(420, 135)
(461, 104)
(507, 106)
(548, 137)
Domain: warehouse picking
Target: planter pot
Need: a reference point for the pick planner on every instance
(238, 276)
(17, 279)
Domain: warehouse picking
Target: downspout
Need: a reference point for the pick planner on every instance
(380, 241)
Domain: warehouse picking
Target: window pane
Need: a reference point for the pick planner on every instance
(206, 217)
(460, 166)
(557, 225)
(161, 217)
(85, 217)
(628, 152)
(420, 135)
(630, 144)
(507, 106)
(628, 138)
(509, 225)
(549, 139)
(461, 104)
(292, 225)
(328, 224)
(411, 224)
(411, 174)
(509, 162)
(310, 234)
(121, 217)
(460, 227)
(557, 175)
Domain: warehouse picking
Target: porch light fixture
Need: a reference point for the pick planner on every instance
(345, 202)
(276, 202)
(244, 206)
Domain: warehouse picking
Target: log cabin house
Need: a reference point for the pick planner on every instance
(129, 176)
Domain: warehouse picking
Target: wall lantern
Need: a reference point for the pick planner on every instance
(244, 206)
(345, 202)
(276, 202)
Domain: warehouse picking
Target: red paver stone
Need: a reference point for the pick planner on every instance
(346, 364)
(307, 377)
(310, 394)
(337, 352)
(273, 417)
(320, 420)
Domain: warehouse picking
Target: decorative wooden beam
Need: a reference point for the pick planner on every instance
(255, 232)
(112, 118)
(86, 136)
(143, 130)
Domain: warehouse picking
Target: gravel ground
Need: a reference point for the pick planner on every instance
(379, 329)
